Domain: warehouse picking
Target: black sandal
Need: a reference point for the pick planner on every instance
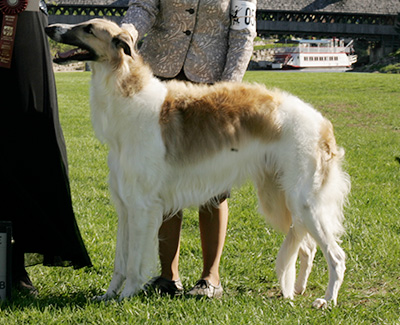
(164, 286)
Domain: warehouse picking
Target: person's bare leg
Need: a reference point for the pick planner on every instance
(213, 225)
(169, 245)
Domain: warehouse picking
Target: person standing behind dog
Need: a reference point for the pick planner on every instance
(36, 195)
(202, 41)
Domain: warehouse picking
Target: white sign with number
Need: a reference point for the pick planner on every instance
(3, 265)
(243, 15)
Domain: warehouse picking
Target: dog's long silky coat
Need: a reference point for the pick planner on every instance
(175, 144)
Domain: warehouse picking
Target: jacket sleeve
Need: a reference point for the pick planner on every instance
(241, 35)
(142, 14)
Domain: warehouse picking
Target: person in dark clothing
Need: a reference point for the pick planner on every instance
(34, 169)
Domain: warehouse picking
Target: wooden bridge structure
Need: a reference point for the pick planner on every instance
(382, 28)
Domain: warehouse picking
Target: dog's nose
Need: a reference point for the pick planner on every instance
(57, 31)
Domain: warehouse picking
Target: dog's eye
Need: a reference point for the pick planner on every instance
(88, 29)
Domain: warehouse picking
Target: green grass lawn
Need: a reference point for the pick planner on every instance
(365, 110)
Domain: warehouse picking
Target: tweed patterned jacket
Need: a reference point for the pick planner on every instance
(211, 40)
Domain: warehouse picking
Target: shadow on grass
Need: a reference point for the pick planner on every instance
(21, 301)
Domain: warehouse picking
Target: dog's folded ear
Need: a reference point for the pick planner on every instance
(131, 29)
(124, 41)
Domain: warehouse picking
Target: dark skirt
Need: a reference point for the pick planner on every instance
(33, 165)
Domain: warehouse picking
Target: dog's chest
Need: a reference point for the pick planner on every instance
(126, 124)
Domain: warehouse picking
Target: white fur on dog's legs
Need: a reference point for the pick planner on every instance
(120, 260)
(307, 251)
(121, 252)
(333, 253)
(143, 225)
(336, 262)
(286, 263)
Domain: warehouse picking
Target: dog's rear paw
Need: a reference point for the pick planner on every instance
(299, 289)
(320, 303)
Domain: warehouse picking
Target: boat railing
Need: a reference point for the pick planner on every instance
(353, 58)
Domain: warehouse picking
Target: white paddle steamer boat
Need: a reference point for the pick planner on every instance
(323, 53)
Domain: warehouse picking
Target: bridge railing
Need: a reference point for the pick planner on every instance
(73, 14)
(328, 24)
(86, 10)
(326, 17)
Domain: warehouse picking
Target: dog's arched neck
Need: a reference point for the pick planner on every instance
(127, 76)
(125, 98)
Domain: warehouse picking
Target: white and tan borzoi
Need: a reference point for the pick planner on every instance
(175, 144)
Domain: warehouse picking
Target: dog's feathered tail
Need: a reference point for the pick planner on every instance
(332, 182)
(330, 189)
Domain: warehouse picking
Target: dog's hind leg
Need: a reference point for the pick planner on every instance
(143, 227)
(314, 220)
(335, 257)
(272, 202)
(273, 205)
(308, 248)
(286, 263)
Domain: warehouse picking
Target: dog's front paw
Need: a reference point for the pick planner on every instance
(129, 291)
(320, 303)
(107, 296)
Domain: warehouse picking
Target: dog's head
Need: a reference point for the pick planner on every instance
(96, 40)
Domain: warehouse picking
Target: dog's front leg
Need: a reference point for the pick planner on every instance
(121, 251)
(143, 227)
